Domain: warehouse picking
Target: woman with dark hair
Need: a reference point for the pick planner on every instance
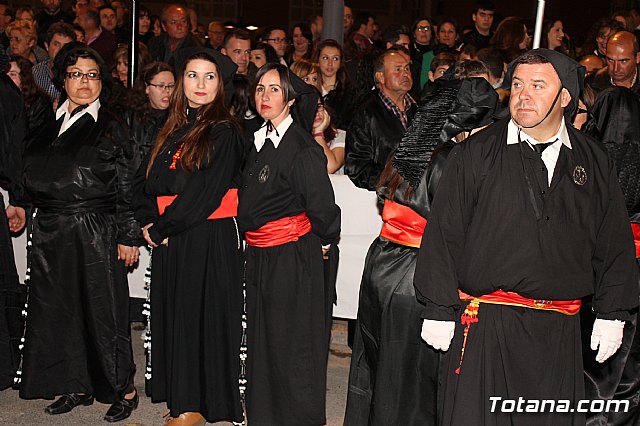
(448, 35)
(121, 60)
(301, 43)
(554, 37)
(83, 236)
(145, 32)
(335, 84)
(598, 35)
(511, 38)
(37, 104)
(288, 214)
(331, 139)
(185, 200)
(262, 53)
(421, 50)
(147, 105)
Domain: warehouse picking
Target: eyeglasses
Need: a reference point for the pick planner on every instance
(277, 40)
(162, 87)
(425, 28)
(77, 75)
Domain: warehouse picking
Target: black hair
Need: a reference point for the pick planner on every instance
(288, 91)
(61, 28)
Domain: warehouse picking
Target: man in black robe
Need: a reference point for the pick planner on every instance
(524, 236)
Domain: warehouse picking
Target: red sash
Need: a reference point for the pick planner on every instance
(280, 231)
(499, 297)
(635, 227)
(402, 225)
(228, 206)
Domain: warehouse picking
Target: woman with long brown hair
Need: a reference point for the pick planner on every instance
(187, 209)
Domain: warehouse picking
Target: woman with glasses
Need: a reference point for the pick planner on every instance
(147, 106)
(83, 236)
(23, 37)
(421, 52)
(185, 200)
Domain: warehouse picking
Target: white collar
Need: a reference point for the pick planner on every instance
(276, 134)
(512, 135)
(63, 111)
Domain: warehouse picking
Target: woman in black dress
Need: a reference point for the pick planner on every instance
(187, 206)
(288, 213)
(83, 235)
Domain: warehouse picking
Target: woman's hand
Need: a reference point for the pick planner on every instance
(128, 254)
(16, 218)
(147, 237)
(326, 120)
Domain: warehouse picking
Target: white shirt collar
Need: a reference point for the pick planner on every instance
(68, 121)
(276, 134)
(512, 135)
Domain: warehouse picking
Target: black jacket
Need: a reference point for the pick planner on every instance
(372, 136)
(158, 47)
(144, 128)
(601, 79)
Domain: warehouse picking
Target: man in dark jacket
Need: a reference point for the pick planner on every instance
(175, 23)
(622, 64)
(381, 119)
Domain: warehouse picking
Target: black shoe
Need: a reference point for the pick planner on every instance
(68, 402)
(122, 409)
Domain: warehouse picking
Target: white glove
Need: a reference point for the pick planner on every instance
(608, 335)
(438, 333)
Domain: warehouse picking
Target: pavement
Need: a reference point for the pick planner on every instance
(16, 411)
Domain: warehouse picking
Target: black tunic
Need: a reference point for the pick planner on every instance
(13, 130)
(483, 235)
(77, 335)
(393, 378)
(196, 281)
(287, 299)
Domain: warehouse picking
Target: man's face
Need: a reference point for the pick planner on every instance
(404, 41)
(4, 20)
(57, 41)
(622, 62)
(84, 21)
(396, 78)
(238, 51)
(278, 40)
(348, 19)
(533, 90)
(177, 25)
(108, 19)
(51, 6)
(439, 72)
(483, 20)
(316, 27)
(120, 10)
(369, 29)
(216, 34)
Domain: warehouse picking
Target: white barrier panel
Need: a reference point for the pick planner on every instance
(361, 223)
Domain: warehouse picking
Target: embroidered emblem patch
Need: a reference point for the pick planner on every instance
(264, 174)
(579, 175)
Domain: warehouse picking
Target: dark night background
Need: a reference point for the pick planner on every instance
(576, 15)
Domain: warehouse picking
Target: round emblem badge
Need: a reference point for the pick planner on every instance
(264, 174)
(579, 175)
